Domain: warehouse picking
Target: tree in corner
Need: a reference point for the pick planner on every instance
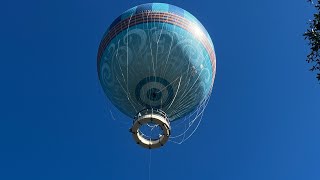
(313, 36)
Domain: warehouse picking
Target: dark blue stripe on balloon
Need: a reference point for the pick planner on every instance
(144, 7)
(115, 22)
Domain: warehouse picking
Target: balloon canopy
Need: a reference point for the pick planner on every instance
(156, 56)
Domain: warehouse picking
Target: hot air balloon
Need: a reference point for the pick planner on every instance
(156, 64)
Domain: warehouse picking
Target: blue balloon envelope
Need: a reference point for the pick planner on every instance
(156, 56)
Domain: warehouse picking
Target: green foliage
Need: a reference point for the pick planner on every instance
(313, 36)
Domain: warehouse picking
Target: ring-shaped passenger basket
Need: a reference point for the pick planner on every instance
(157, 117)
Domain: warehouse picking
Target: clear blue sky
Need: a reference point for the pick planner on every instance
(262, 122)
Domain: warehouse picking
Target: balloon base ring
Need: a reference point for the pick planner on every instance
(154, 116)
